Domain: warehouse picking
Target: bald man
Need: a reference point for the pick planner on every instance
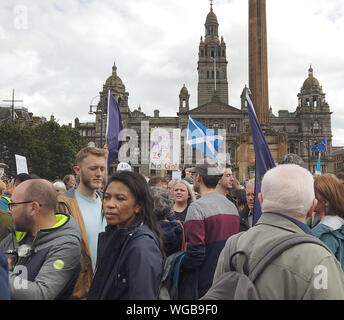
(43, 248)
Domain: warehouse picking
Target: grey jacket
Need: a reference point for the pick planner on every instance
(53, 266)
(304, 272)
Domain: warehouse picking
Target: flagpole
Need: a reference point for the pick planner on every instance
(215, 70)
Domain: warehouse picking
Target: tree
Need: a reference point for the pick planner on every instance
(49, 148)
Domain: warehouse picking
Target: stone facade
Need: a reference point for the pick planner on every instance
(338, 155)
(288, 132)
(22, 116)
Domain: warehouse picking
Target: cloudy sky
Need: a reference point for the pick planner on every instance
(57, 54)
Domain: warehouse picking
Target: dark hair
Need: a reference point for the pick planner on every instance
(22, 177)
(66, 178)
(240, 197)
(211, 181)
(138, 186)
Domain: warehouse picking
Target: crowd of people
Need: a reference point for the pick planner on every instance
(90, 236)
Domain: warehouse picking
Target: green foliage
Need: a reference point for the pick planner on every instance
(49, 148)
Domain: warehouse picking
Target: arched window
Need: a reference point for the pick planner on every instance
(208, 74)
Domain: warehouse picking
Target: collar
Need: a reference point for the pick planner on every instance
(301, 225)
(333, 222)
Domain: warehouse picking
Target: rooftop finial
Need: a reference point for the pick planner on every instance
(211, 5)
(114, 68)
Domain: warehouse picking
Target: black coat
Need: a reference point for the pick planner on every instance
(244, 226)
(173, 236)
(129, 265)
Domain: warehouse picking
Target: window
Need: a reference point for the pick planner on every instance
(316, 127)
(292, 148)
(233, 129)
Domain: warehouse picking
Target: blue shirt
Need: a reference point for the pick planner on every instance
(91, 212)
(301, 225)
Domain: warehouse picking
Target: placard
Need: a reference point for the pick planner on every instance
(21, 164)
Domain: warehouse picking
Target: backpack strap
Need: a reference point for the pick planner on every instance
(228, 254)
(183, 240)
(276, 248)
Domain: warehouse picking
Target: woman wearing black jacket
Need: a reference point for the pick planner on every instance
(130, 259)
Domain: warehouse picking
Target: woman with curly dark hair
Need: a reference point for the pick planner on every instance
(130, 251)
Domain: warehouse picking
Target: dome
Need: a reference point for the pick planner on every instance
(211, 18)
(311, 83)
(114, 80)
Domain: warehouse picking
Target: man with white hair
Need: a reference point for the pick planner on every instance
(305, 271)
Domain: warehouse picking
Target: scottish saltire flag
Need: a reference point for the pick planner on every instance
(113, 128)
(318, 169)
(264, 160)
(321, 146)
(203, 138)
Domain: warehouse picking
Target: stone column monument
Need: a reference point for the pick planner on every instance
(258, 60)
(258, 85)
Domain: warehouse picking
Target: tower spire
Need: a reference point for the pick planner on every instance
(211, 5)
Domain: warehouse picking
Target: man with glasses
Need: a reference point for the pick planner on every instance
(43, 248)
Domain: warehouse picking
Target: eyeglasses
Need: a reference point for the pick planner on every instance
(12, 204)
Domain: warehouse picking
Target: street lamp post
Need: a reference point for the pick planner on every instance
(99, 110)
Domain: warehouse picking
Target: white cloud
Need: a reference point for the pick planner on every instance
(61, 60)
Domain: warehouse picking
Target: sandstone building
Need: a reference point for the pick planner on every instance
(288, 131)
